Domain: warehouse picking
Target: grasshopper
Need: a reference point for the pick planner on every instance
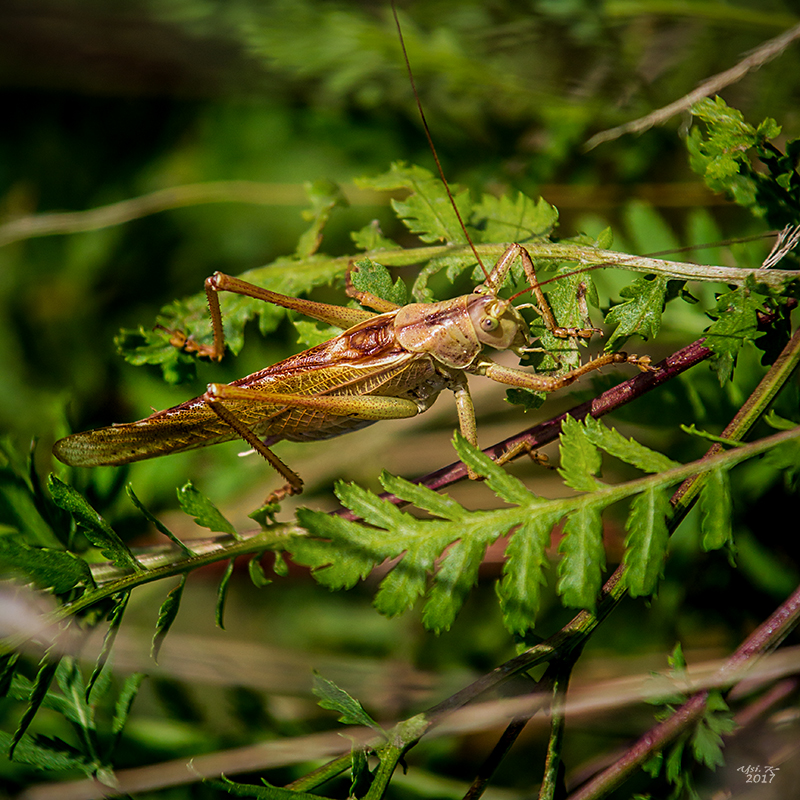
(388, 363)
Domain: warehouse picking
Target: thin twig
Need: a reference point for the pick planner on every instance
(766, 637)
(758, 57)
(92, 219)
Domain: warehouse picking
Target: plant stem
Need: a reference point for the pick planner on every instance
(766, 637)
(769, 634)
(553, 767)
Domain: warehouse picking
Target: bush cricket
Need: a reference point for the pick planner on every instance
(388, 363)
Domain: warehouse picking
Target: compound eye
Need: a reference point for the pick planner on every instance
(489, 324)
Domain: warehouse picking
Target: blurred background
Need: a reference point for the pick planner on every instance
(106, 102)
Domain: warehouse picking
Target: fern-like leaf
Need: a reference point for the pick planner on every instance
(524, 571)
(628, 450)
(646, 542)
(715, 510)
(205, 513)
(44, 676)
(583, 558)
(334, 698)
(166, 616)
(580, 459)
(96, 529)
(639, 312)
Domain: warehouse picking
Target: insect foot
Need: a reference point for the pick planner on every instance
(524, 447)
(177, 338)
(643, 362)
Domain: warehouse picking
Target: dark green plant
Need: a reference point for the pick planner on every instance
(69, 540)
(57, 535)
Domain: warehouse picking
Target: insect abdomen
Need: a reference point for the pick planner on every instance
(136, 441)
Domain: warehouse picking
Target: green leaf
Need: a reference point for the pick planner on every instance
(310, 333)
(95, 528)
(156, 523)
(370, 237)
(729, 138)
(58, 570)
(786, 457)
(580, 459)
(628, 450)
(457, 574)
(256, 571)
(334, 698)
(676, 659)
(166, 616)
(605, 239)
(8, 665)
(427, 211)
(524, 571)
(646, 542)
(639, 312)
(76, 707)
(529, 400)
(440, 505)
(374, 278)
(736, 323)
(369, 506)
(674, 771)
(502, 483)
(115, 620)
(48, 759)
(123, 708)
(279, 565)
(514, 219)
(569, 294)
(707, 743)
(403, 585)
(205, 513)
(44, 676)
(222, 594)
(324, 196)
(581, 567)
(336, 537)
(715, 510)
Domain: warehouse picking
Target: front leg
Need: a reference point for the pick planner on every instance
(551, 383)
(466, 411)
(498, 275)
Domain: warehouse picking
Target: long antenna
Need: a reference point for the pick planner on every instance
(430, 140)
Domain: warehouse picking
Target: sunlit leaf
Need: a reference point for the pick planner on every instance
(646, 542)
(580, 459)
(524, 571)
(583, 558)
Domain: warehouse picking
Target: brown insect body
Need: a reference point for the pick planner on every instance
(408, 353)
(386, 365)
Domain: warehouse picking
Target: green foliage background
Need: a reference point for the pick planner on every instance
(107, 103)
